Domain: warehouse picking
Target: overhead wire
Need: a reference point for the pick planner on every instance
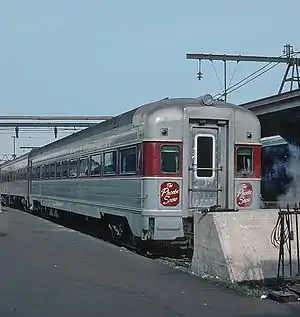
(232, 76)
(239, 84)
(251, 79)
(215, 71)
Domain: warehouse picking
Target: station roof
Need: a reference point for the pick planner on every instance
(278, 114)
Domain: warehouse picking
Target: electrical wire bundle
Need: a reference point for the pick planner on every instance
(282, 232)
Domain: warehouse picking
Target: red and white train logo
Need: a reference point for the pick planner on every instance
(244, 195)
(169, 194)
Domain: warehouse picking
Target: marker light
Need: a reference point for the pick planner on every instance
(208, 100)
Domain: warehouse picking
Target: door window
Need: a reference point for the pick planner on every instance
(205, 155)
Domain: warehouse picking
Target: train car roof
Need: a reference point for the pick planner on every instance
(17, 159)
(126, 118)
(273, 141)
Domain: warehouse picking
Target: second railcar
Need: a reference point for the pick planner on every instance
(15, 181)
(277, 155)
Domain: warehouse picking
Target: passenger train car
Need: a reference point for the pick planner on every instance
(276, 155)
(145, 172)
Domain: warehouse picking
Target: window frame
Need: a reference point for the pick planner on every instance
(83, 158)
(45, 172)
(58, 164)
(136, 160)
(37, 173)
(116, 163)
(90, 164)
(53, 165)
(160, 159)
(239, 174)
(66, 162)
(195, 159)
(69, 169)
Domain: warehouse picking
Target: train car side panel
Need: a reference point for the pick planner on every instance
(247, 162)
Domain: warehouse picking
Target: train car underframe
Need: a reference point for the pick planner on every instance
(110, 228)
(13, 201)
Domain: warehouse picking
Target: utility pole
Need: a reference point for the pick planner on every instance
(289, 57)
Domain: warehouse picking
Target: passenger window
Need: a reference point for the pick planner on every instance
(96, 165)
(52, 170)
(47, 171)
(128, 160)
(244, 161)
(57, 170)
(64, 169)
(169, 159)
(38, 173)
(83, 167)
(110, 163)
(73, 168)
(205, 156)
(45, 174)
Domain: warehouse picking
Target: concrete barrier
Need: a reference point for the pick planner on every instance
(236, 246)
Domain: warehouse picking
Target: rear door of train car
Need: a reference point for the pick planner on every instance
(208, 164)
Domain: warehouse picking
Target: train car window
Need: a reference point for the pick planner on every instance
(33, 173)
(110, 163)
(244, 161)
(169, 159)
(57, 170)
(73, 168)
(128, 160)
(64, 167)
(45, 172)
(38, 173)
(205, 156)
(83, 167)
(96, 165)
(52, 170)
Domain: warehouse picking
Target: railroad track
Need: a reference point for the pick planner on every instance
(90, 227)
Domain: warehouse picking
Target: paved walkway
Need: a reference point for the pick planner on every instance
(47, 270)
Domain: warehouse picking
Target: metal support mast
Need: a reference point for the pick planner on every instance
(289, 57)
(292, 68)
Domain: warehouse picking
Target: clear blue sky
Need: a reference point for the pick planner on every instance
(104, 57)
